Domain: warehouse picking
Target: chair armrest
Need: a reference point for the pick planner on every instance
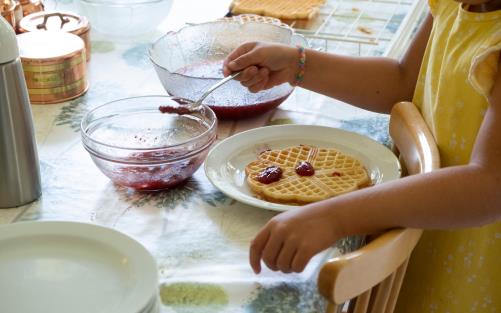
(347, 276)
(350, 275)
(413, 139)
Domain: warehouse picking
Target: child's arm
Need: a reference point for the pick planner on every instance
(453, 197)
(371, 83)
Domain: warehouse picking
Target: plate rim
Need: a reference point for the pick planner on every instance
(101, 234)
(259, 203)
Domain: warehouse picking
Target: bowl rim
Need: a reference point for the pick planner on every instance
(169, 33)
(86, 136)
(121, 3)
(124, 161)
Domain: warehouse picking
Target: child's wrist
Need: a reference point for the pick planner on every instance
(298, 65)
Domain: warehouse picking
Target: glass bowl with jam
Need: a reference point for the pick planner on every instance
(136, 145)
(190, 60)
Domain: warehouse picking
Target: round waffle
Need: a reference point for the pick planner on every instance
(247, 18)
(282, 9)
(335, 173)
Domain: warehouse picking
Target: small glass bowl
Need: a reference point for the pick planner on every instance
(137, 146)
(125, 18)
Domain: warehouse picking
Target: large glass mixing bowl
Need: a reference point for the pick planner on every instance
(190, 60)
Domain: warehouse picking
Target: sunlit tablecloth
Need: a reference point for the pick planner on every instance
(198, 236)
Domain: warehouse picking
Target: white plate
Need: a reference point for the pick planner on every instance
(153, 306)
(73, 267)
(225, 164)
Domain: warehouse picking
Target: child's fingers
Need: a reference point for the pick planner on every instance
(284, 260)
(301, 260)
(261, 80)
(263, 75)
(240, 50)
(272, 250)
(256, 249)
(253, 57)
(247, 75)
(255, 79)
(259, 86)
(226, 71)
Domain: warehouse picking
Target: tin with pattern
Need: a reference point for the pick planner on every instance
(54, 66)
(58, 21)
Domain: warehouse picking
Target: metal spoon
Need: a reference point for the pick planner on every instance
(189, 106)
(223, 81)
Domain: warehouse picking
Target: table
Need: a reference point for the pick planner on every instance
(198, 236)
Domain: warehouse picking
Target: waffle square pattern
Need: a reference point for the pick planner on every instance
(282, 9)
(335, 173)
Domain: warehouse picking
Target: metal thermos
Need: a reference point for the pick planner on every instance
(19, 168)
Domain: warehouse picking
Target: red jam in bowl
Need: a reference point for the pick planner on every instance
(156, 177)
(235, 102)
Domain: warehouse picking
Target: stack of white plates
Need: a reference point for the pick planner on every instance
(68, 267)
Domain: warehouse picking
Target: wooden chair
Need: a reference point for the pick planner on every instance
(372, 275)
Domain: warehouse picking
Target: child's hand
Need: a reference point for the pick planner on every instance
(264, 65)
(289, 240)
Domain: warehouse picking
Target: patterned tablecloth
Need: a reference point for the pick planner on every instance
(198, 236)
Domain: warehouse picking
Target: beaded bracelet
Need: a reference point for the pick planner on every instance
(299, 77)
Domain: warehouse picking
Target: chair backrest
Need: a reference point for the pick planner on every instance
(372, 276)
(413, 140)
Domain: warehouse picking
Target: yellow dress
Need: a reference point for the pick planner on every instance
(456, 271)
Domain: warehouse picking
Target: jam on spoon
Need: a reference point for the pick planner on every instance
(305, 169)
(176, 110)
(269, 175)
(193, 106)
(183, 108)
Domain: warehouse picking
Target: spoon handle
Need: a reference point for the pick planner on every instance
(214, 87)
